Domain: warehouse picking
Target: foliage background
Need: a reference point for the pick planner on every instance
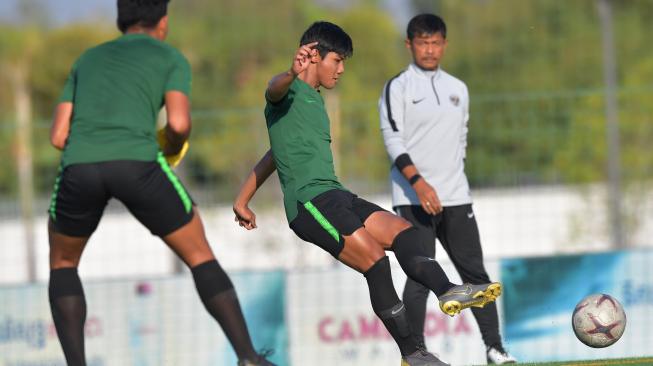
(534, 71)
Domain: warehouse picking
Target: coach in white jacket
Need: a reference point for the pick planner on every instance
(424, 114)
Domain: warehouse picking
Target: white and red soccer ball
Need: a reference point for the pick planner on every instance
(599, 320)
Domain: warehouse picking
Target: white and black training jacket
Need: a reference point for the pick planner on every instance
(424, 117)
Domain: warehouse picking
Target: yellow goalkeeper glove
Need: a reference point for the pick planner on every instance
(173, 160)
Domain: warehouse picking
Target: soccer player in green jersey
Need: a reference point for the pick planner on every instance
(105, 125)
(321, 211)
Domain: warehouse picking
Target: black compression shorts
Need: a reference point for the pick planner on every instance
(329, 216)
(150, 191)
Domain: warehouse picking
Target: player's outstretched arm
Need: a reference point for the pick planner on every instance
(178, 127)
(244, 215)
(279, 84)
(61, 125)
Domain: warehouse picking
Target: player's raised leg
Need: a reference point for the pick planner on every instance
(460, 238)
(398, 235)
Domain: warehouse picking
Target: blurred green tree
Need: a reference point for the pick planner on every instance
(533, 69)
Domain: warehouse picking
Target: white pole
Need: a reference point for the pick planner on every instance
(612, 124)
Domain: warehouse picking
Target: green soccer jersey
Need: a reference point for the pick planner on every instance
(117, 90)
(300, 140)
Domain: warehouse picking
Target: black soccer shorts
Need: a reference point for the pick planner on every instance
(150, 191)
(329, 216)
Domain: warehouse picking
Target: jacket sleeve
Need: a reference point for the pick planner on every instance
(391, 114)
(465, 129)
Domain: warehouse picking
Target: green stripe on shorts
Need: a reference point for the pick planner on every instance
(317, 215)
(185, 199)
(55, 191)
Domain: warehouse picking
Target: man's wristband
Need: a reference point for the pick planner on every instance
(403, 161)
(414, 179)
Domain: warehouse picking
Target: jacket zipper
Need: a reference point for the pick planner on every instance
(435, 91)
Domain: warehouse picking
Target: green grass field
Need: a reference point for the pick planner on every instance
(645, 361)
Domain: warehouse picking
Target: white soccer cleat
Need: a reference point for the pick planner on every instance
(498, 356)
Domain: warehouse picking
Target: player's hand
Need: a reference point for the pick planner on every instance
(428, 197)
(303, 58)
(172, 159)
(245, 217)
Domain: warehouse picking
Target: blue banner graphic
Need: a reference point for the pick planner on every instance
(541, 294)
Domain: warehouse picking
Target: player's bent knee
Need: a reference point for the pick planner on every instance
(372, 255)
(409, 235)
(197, 255)
(369, 259)
(402, 224)
(405, 231)
(375, 251)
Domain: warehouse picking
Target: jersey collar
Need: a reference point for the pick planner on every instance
(425, 73)
(309, 89)
(130, 36)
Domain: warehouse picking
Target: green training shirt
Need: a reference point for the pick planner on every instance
(117, 90)
(300, 140)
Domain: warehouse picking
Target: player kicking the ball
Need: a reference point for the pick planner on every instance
(321, 211)
(105, 125)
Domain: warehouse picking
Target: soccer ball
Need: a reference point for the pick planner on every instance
(599, 320)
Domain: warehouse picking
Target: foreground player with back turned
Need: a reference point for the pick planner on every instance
(424, 114)
(321, 211)
(105, 125)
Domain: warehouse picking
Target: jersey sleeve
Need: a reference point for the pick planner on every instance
(277, 103)
(68, 93)
(391, 114)
(179, 78)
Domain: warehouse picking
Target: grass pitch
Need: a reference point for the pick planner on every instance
(645, 361)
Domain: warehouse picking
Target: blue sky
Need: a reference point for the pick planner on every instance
(66, 11)
(61, 11)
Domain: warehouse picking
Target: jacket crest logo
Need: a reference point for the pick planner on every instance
(454, 99)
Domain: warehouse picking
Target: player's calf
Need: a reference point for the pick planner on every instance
(68, 307)
(417, 264)
(220, 300)
(388, 307)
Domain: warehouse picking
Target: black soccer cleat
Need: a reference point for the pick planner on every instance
(422, 357)
(467, 295)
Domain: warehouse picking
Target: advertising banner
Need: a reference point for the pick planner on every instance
(541, 294)
(143, 323)
(331, 322)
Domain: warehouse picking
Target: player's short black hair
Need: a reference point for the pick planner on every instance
(330, 38)
(146, 13)
(426, 24)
